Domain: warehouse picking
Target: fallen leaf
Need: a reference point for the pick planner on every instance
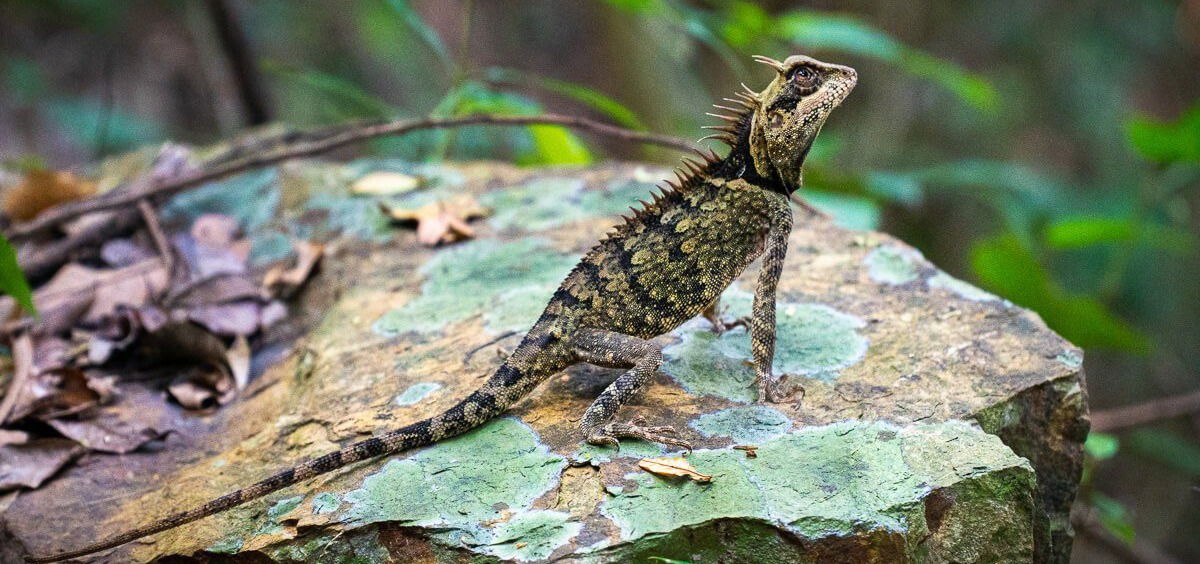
(751, 450)
(238, 359)
(105, 289)
(184, 342)
(443, 221)
(29, 465)
(110, 430)
(673, 467)
(228, 320)
(124, 252)
(217, 289)
(385, 183)
(44, 189)
(215, 230)
(17, 396)
(280, 281)
(272, 313)
(9, 437)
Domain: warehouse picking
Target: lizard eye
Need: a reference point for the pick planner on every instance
(804, 77)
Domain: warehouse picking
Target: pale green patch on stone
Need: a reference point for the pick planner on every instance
(545, 203)
(251, 198)
(532, 535)
(362, 546)
(230, 545)
(518, 308)
(457, 484)
(417, 392)
(889, 264)
(470, 279)
(745, 425)
(960, 288)
(850, 212)
(360, 218)
(325, 502)
(630, 448)
(812, 340)
(279, 509)
(1070, 359)
(823, 481)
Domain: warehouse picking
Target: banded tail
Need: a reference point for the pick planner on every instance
(479, 407)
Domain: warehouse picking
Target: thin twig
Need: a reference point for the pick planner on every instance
(150, 217)
(337, 138)
(1148, 412)
(22, 353)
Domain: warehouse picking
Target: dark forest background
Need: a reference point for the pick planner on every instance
(1046, 151)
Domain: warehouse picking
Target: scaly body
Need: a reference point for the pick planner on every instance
(664, 265)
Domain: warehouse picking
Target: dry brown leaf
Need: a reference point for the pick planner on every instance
(17, 396)
(112, 430)
(443, 221)
(228, 320)
(29, 465)
(43, 189)
(10, 437)
(281, 281)
(134, 285)
(385, 183)
(674, 467)
(238, 359)
(751, 450)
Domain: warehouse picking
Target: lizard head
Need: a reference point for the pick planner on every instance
(790, 112)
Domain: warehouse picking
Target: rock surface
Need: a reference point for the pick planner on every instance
(939, 422)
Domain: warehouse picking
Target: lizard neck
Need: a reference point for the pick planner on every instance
(740, 162)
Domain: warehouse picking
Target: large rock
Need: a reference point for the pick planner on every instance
(939, 423)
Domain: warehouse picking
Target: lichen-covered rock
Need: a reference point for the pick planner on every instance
(939, 423)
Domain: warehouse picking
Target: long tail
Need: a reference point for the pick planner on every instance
(479, 407)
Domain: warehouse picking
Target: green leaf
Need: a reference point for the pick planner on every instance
(589, 97)
(1101, 446)
(813, 30)
(1168, 448)
(668, 560)
(558, 146)
(351, 99)
(1087, 231)
(1005, 266)
(414, 21)
(12, 280)
(1166, 142)
(1113, 517)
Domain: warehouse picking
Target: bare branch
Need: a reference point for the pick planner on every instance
(328, 140)
(1143, 413)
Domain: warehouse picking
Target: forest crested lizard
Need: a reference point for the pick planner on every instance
(662, 266)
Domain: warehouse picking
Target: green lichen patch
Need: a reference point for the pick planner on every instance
(960, 288)
(280, 508)
(325, 502)
(361, 546)
(821, 481)
(1070, 359)
(417, 392)
(251, 198)
(890, 264)
(518, 308)
(812, 340)
(471, 278)
(630, 448)
(545, 203)
(360, 218)
(458, 484)
(751, 424)
(532, 535)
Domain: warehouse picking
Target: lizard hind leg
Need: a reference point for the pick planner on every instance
(642, 359)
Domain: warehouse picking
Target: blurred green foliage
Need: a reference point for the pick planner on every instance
(12, 281)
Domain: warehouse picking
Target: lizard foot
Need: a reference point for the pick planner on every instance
(637, 429)
(769, 390)
(720, 325)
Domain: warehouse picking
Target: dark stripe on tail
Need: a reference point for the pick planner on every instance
(416, 435)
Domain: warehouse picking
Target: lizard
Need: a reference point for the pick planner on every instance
(664, 264)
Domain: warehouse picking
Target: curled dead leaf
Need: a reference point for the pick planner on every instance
(443, 221)
(44, 189)
(112, 430)
(751, 450)
(30, 464)
(674, 467)
(281, 281)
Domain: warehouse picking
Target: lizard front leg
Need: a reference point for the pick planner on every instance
(762, 321)
(642, 358)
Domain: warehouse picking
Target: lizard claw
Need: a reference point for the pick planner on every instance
(636, 429)
(769, 390)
